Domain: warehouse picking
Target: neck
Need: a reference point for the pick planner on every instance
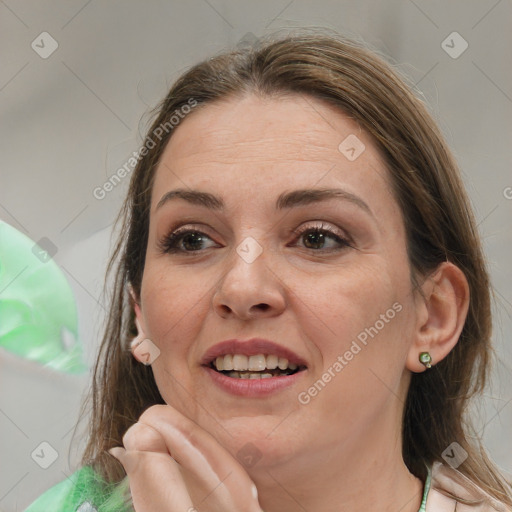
(363, 474)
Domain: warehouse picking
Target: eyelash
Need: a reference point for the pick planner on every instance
(169, 244)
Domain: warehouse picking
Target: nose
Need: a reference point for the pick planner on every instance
(249, 290)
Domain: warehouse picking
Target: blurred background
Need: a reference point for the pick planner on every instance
(77, 80)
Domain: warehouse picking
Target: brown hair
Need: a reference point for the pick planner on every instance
(438, 220)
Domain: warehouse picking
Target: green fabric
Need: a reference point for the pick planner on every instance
(38, 314)
(84, 491)
(425, 491)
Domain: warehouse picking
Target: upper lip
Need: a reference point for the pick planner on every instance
(251, 347)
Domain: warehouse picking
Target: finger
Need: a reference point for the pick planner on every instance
(155, 481)
(143, 437)
(225, 483)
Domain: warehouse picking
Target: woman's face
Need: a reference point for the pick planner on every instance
(340, 299)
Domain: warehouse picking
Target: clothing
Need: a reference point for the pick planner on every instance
(86, 491)
(426, 490)
(446, 483)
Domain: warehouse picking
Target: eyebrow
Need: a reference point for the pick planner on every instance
(293, 199)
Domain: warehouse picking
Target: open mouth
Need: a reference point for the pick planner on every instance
(261, 366)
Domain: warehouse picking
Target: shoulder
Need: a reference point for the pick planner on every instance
(84, 491)
(450, 490)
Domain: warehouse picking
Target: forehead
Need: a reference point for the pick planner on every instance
(253, 143)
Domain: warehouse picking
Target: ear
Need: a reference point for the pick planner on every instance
(440, 314)
(135, 304)
(141, 336)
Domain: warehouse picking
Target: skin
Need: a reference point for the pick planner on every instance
(341, 451)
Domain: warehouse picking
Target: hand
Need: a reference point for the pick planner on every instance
(173, 465)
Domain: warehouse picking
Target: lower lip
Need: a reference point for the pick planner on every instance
(253, 387)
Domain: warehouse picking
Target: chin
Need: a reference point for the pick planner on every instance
(258, 441)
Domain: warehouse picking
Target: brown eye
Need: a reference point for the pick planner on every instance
(185, 241)
(317, 237)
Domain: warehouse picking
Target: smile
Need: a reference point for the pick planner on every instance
(260, 366)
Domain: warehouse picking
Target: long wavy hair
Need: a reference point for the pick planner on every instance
(426, 183)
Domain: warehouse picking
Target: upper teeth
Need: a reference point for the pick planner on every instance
(256, 363)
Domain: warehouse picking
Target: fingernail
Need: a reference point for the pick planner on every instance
(117, 452)
(127, 460)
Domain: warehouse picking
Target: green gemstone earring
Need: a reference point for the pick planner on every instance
(426, 359)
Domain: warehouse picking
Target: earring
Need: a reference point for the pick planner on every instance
(426, 359)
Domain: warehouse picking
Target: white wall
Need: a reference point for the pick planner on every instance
(69, 121)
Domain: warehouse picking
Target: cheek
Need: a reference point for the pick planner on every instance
(172, 298)
(359, 319)
(173, 301)
(364, 317)
(344, 303)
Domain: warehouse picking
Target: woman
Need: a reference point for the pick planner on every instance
(301, 308)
